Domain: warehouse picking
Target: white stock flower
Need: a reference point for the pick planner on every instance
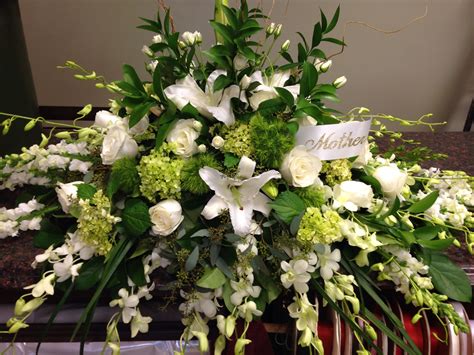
(106, 119)
(166, 216)
(66, 194)
(128, 303)
(248, 310)
(208, 103)
(184, 135)
(266, 89)
(391, 178)
(296, 275)
(328, 260)
(45, 285)
(118, 144)
(300, 168)
(352, 195)
(79, 165)
(139, 324)
(240, 195)
(66, 269)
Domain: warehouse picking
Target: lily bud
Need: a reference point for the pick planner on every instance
(339, 82)
(323, 66)
(270, 29)
(278, 30)
(270, 189)
(285, 46)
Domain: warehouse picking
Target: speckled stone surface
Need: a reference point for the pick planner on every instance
(17, 254)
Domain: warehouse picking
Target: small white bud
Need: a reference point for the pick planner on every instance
(157, 39)
(147, 51)
(285, 46)
(197, 126)
(182, 45)
(278, 30)
(202, 148)
(218, 142)
(340, 82)
(271, 29)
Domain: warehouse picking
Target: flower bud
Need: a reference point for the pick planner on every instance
(270, 29)
(229, 326)
(377, 267)
(442, 235)
(371, 332)
(197, 125)
(416, 318)
(340, 82)
(318, 345)
(30, 125)
(239, 348)
(15, 328)
(218, 142)
(278, 30)
(470, 237)
(6, 127)
(203, 341)
(147, 51)
(456, 243)
(406, 221)
(419, 297)
(182, 45)
(157, 39)
(306, 337)
(285, 46)
(470, 248)
(44, 141)
(355, 303)
(323, 66)
(202, 148)
(32, 305)
(63, 135)
(219, 345)
(270, 189)
(19, 304)
(99, 85)
(390, 220)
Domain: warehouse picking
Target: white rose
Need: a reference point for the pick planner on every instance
(117, 144)
(364, 157)
(352, 195)
(300, 168)
(184, 135)
(166, 216)
(391, 178)
(105, 119)
(218, 142)
(66, 193)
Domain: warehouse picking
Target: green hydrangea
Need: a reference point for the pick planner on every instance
(337, 171)
(191, 181)
(237, 140)
(313, 196)
(318, 227)
(271, 140)
(95, 223)
(160, 174)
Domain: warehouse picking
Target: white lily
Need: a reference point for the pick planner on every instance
(209, 103)
(266, 89)
(240, 195)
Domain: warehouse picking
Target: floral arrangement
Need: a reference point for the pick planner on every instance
(198, 172)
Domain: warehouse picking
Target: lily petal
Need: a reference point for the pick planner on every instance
(260, 204)
(224, 112)
(246, 168)
(250, 187)
(241, 218)
(217, 181)
(215, 206)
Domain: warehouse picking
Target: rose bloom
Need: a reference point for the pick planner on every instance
(391, 178)
(117, 144)
(184, 135)
(300, 168)
(352, 195)
(166, 216)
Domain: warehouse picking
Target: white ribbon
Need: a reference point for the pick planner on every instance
(334, 141)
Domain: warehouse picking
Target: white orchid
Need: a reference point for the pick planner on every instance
(66, 269)
(243, 288)
(297, 274)
(209, 103)
(305, 313)
(139, 324)
(204, 302)
(45, 285)
(266, 89)
(328, 260)
(128, 303)
(240, 195)
(248, 310)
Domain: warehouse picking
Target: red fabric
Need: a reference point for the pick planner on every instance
(260, 344)
(325, 331)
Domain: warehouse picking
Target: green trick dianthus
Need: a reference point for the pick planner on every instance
(271, 140)
(191, 181)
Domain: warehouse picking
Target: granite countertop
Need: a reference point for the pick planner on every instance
(17, 254)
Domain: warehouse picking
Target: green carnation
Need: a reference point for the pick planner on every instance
(191, 181)
(160, 174)
(271, 140)
(318, 227)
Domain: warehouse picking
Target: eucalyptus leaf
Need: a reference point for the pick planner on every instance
(212, 279)
(192, 260)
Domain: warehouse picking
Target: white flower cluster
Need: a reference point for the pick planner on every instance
(404, 271)
(454, 194)
(31, 167)
(16, 219)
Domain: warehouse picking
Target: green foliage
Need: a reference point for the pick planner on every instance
(212, 279)
(271, 139)
(287, 206)
(124, 176)
(50, 234)
(425, 203)
(135, 217)
(86, 191)
(312, 196)
(191, 181)
(90, 274)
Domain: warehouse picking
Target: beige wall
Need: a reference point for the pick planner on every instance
(428, 67)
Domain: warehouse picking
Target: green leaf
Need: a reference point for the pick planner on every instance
(124, 176)
(308, 79)
(130, 76)
(269, 107)
(287, 206)
(192, 260)
(163, 132)
(136, 271)
(135, 217)
(426, 233)
(424, 204)
(372, 182)
(449, 279)
(158, 84)
(324, 21)
(334, 40)
(230, 160)
(86, 191)
(222, 30)
(393, 208)
(317, 35)
(139, 112)
(212, 279)
(231, 17)
(222, 82)
(90, 273)
(286, 96)
(333, 22)
(440, 244)
(48, 235)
